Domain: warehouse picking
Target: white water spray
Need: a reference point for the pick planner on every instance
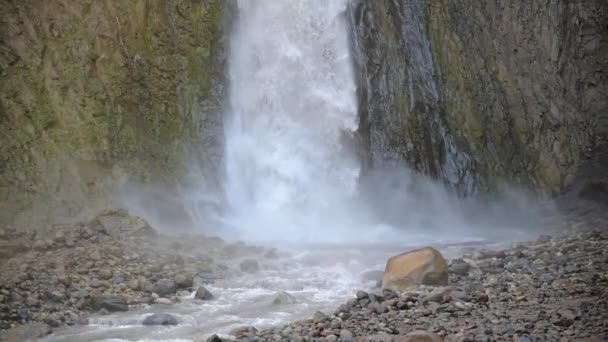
(293, 110)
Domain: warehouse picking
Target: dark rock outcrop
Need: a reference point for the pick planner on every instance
(470, 92)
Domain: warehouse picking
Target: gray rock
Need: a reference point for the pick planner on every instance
(165, 287)
(459, 267)
(243, 331)
(346, 335)
(183, 280)
(110, 303)
(105, 274)
(203, 294)
(319, 317)
(364, 302)
(160, 319)
(214, 338)
(361, 294)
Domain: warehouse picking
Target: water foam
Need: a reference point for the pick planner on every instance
(289, 164)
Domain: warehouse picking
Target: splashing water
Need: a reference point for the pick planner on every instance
(289, 165)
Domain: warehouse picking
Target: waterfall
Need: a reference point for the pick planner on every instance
(290, 165)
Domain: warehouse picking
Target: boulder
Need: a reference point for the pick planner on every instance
(283, 297)
(165, 287)
(183, 280)
(424, 266)
(160, 319)
(203, 294)
(110, 303)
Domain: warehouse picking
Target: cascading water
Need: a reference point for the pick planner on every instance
(289, 166)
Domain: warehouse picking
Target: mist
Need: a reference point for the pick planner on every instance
(291, 171)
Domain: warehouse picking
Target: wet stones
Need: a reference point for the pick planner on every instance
(183, 280)
(515, 303)
(459, 267)
(165, 287)
(110, 303)
(319, 317)
(105, 274)
(203, 294)
(160, 319)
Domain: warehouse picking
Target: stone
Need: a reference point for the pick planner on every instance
(134, 284)
(364, 302)
(243, 331)
(203, 294)
(346, 335)
(319, 317)
(389, 294)
(361, 294)
(160, 319)
(282, 298)
(165, 287)
(249, 266)
(95, 255)
(459, 267)
(110, 303)
(28, 332)
(105, 274)
(420, 336)
(214, 338)
(183, 280)
(424, 266)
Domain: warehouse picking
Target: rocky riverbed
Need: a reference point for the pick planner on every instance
(113, 263)
(553, 289)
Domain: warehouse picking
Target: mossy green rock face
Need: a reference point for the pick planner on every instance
(94, 92)
(474, 91)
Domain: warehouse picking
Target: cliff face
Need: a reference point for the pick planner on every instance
(473, 91)
(95, 92)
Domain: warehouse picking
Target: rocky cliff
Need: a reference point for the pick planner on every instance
(473, 92)
(96, 92)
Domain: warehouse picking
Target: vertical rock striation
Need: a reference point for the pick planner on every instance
(475, 91)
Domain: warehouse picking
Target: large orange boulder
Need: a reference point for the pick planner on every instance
(424, 266)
